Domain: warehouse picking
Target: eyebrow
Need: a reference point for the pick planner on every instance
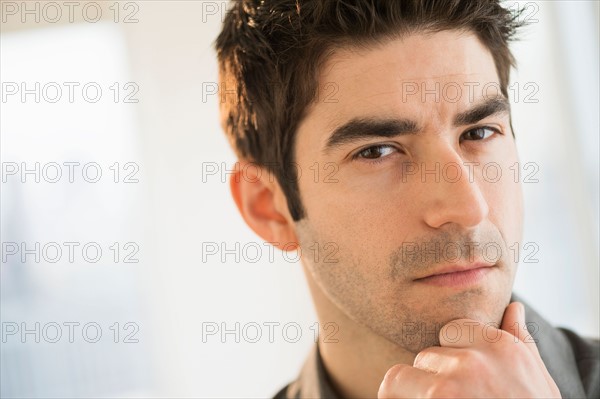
(365, 128)
(491, 106)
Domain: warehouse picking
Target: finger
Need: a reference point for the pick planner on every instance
(461, 333)
(514, 323)
(436, 359)
(405, 381)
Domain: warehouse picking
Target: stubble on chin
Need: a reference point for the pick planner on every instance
(419, 320)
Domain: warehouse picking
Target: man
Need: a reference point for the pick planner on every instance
(374, 135)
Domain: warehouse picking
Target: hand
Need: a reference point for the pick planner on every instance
(475, 360)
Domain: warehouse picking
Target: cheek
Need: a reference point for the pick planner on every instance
(505, 201)
(360, 216)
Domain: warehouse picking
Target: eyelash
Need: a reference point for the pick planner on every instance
(375, 160)
(493, 129)
(357, 156)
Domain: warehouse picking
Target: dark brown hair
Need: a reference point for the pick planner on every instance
(269, 53)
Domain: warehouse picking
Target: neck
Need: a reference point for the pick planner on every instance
(355, 358)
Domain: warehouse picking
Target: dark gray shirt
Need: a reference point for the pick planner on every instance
(572, 361)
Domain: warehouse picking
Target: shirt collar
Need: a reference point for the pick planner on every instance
(313, 381)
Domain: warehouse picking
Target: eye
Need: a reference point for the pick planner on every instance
(375, 152)
(479, 133)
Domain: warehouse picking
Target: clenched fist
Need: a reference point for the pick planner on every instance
(475, 360)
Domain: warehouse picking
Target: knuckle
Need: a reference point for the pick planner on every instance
(473, 360)
(387, 387)
(393, 374)
(444, 388)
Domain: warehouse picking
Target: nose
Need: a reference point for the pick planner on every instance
(453, 198)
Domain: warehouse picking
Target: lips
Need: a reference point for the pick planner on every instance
(457, 275)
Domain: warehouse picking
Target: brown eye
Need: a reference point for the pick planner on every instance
(375, 152)
(480, 133)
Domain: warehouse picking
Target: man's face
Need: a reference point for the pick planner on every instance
(424, 180)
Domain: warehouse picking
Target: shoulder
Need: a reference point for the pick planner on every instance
(571, 359)
(282, 394)
(586, 352)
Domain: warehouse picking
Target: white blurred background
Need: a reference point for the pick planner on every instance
(157, 211)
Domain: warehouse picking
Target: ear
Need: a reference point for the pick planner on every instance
(263, 205)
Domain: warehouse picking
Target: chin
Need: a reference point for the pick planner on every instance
(419, 325)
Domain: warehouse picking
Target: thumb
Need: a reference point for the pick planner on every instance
(514, 323)
(514, 320)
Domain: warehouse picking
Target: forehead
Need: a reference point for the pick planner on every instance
(425, 76)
